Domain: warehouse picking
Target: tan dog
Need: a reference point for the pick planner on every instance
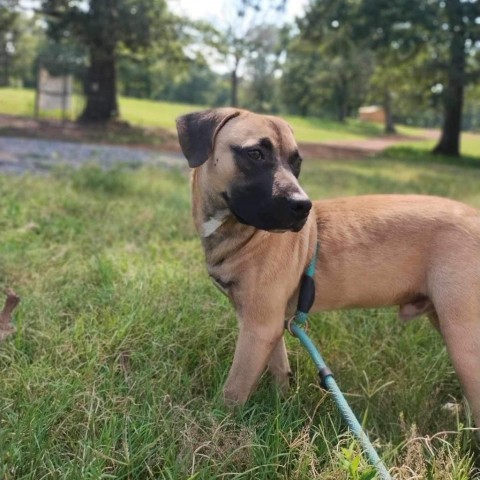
(419, 252)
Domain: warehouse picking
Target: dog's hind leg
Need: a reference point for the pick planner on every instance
(457, 301)
(261, 328)
(462, 338)
(279, 366)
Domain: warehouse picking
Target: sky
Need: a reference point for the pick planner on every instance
(209, 9)
(215, 10)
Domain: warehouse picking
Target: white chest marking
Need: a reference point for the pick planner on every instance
(214, 223)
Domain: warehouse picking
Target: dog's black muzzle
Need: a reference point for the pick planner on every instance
(278, 214)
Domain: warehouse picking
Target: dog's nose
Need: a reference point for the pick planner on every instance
(300, 207)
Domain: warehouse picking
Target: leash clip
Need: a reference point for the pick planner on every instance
(288, 325)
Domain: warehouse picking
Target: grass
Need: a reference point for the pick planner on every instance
(470, 145)
(149, 113)
(123, 344)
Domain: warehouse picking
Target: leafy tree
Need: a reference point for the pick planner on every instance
(325, 69)
(472, 114)
(20, 37)
(31, 37)
(443, 33)
(262, 69)
(235, 39)
(449, 29)
(106, 27)
(299, 92)
(67, 57)
(8, 33)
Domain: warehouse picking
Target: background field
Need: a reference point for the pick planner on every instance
(123, 344)
(148, 113)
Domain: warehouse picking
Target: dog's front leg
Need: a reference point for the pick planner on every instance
(279, 366)
(261, 330)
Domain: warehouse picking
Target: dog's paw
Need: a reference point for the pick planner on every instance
(283, 381)
(232, 398)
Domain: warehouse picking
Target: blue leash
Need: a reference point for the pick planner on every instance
(297, 328)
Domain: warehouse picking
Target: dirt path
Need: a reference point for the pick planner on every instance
(351, 149)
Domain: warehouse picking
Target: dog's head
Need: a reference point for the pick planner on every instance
(252, 163)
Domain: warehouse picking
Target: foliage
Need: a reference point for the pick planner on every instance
(63, 58)
(19, 38)
(109, 25)
(192, 82)
(106, 28)
(341, 54)
(328, 76)
(447, 33)
(435, 42)
(246, 25)
(262, 67)
(343, 65)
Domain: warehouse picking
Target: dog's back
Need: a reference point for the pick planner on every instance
(379, 250)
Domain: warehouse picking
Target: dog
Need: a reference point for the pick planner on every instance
(259, 231)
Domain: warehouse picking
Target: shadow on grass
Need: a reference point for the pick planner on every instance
(419, 157)
(115, 132)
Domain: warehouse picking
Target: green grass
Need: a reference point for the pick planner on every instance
(123, 344)
(470, 145)
(148, 113)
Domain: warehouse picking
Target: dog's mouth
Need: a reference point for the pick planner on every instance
(296, 227)
(269, 226)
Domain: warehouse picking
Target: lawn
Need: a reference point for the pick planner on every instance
(149, 113)
(123, 344)
(470, 143)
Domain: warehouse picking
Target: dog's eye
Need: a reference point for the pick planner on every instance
(295, 165)
(255, 154)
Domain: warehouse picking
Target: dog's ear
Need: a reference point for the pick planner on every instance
(197, 132)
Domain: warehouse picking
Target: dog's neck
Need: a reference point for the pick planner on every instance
(221, 233)
(214, 222)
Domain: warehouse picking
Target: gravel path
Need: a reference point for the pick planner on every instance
(19, 155)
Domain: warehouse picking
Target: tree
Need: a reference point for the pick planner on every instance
(463, 24)
(450, 29)
(8, 32)
(105, 27)
(444, 33)
(325, 65)
(299, 90)
(235, 39)
(262, 69)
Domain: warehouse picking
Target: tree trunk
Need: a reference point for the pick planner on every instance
(342, 111)
(4, 64)
(101, 87)
(234, 89)
(449, 143)
(234, 84)
(387, 105)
